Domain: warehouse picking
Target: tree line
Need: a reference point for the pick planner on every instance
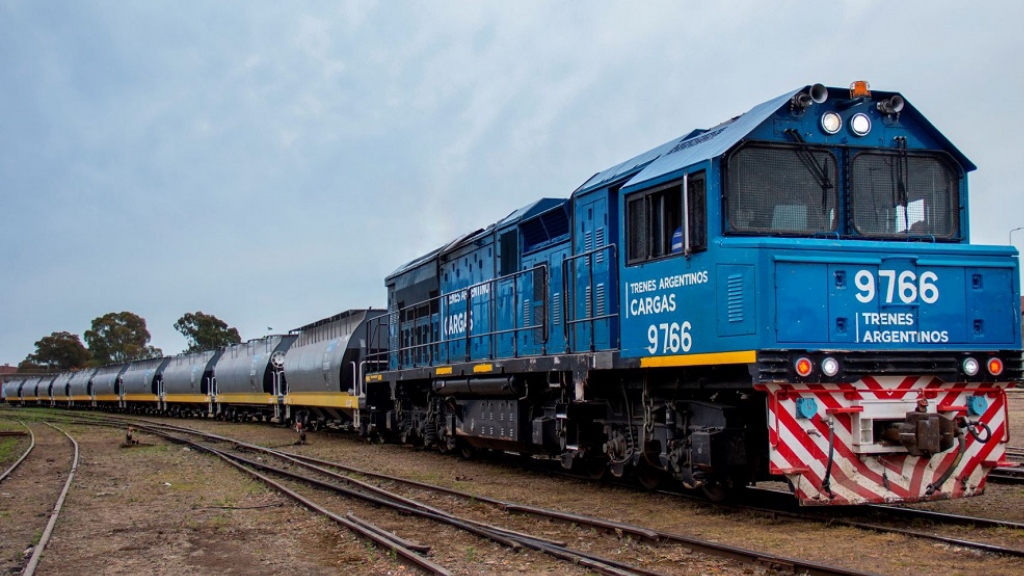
(120, 337)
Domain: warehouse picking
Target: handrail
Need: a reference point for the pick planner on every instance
(569, 310)
(437, 344)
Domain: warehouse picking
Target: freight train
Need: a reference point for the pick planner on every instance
(789, 295)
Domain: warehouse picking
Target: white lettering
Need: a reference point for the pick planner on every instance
(887, 319)
(652, 304)
(683, 280)
(906, 336)
(675, 337)
(907, 285)
(455, 324)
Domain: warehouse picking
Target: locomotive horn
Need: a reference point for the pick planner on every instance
(892, 104)
(816, 94)
(819, 93)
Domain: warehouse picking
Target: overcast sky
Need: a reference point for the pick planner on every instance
(271, 162)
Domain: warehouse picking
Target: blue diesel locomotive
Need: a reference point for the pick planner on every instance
(790, 294)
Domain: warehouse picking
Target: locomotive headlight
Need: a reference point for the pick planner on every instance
(803, 366)
(860, 124)
(831, 122)
(970, 366)
(830, 366)
(995, 366)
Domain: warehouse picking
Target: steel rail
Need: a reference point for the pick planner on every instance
(914, 513)
(1006, 476)
(376, 535)
(37, 552)
(711, 548)
(649, 534)
(510, 539)
(946, 517)
(31, 445)
(707, 547)
(416, 546)
(504, 505)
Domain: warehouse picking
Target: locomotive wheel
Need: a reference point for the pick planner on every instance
(715, 491)
(648, 476)
(595, 468)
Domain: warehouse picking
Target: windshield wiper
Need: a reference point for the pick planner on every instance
(820, 173)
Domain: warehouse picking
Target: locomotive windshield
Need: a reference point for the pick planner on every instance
(897, 195)
(795, 190)
(782, 189)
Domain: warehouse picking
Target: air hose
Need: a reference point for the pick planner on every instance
(826, 483)
(949, 471)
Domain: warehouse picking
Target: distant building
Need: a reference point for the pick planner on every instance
(8, 369)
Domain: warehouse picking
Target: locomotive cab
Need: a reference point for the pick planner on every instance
(840, 277)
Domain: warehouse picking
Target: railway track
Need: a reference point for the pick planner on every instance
(770, 504)
(556, 549)
(31, 446)
(1007, 475)
(881, 516)
(774, 503)
(43, 537)
(387, 499)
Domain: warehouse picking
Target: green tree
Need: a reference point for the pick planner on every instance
(58, 351)
(206, 332)
(119, 337)
(27, 365)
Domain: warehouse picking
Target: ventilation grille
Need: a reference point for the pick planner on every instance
(735, 298)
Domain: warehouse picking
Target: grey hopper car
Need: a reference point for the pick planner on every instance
(251, 378)
(143, 382)
(81, 391)
(28, 388)
(12, 388)
(44, 388)
(59, 390)
(189, 381)
(325, 365)
(106, 383)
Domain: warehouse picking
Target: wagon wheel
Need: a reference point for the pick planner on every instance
(465, 450)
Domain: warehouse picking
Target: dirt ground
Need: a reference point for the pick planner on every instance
(160, 508)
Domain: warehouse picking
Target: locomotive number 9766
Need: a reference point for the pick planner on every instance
(907, 285)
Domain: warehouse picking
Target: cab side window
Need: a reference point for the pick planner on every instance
(655, 220)
(654, 217)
